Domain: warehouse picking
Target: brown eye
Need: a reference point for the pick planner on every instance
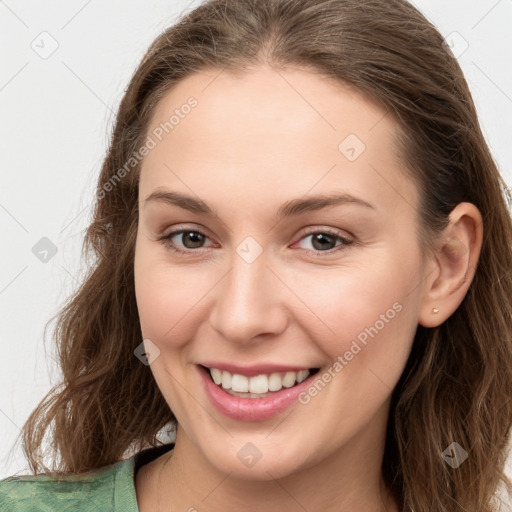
(184, 240)
(192, 239)
(325, 242)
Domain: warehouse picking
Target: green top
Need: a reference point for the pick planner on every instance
(108, 489)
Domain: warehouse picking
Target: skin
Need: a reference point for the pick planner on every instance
(254, 142)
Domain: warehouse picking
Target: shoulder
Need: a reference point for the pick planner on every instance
(106, 489)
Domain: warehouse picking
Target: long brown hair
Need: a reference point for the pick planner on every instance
(457, 383)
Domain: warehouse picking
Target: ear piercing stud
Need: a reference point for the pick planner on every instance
(435, 310)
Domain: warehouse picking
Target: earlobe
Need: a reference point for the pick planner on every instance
(455, 261)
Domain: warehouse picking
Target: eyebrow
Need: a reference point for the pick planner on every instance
(289, 208)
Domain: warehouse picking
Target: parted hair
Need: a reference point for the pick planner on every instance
(457, 382)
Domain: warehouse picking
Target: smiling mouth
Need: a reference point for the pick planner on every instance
(258, 386)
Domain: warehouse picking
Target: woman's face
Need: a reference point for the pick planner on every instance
(277, 234)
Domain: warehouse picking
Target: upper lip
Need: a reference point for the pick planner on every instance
(255, 369)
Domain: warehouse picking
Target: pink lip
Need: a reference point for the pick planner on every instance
(251, 409)
(253, 370)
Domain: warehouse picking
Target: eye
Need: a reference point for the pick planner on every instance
(326, 241)
(190, 240)
(184, 240)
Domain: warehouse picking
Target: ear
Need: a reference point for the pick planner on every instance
(453, 265)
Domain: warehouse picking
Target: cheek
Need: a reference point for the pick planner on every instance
(168, 296)
(365, 314)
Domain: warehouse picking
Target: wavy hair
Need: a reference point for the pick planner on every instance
(457, 383)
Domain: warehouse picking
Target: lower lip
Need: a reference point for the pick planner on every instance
(252, 409)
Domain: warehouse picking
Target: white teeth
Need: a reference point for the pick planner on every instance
(216, 375)
(226, 380)
(302, 375)
(274, 382)
(239, 383)
(289, 379)
(258, 385)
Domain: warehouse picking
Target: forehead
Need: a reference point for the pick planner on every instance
(274, 130)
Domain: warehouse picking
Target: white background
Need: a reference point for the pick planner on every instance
(56, 115)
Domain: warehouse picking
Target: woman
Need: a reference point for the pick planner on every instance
(303, 263)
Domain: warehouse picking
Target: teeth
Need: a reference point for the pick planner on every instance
(275, 382)
(216, 375)
(289, 379)
(226, 380)
(302, 375)
(239, 383)
(259, 385)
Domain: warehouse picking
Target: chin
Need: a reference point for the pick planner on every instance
(257, 460)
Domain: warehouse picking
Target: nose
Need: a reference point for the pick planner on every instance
(248, 302)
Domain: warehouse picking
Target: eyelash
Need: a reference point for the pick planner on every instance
(345, 242)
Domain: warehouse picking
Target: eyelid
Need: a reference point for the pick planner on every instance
(177, 230)
(311, 230)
